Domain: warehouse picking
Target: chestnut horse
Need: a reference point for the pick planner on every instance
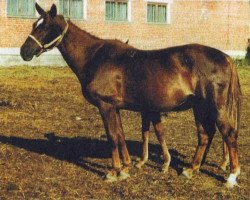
(115, 76)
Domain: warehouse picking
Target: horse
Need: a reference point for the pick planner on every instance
(114, 76)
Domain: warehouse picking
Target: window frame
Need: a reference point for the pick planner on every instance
(167, 3)
(18, 15)
(84, 16)
(128, 11)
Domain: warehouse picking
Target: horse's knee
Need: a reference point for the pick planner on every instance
(230, 136)
(202, 138)
(158, 127)
(231, 140)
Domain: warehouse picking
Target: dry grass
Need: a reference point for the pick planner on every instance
(52, 145)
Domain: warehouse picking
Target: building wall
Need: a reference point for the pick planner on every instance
(221, 24)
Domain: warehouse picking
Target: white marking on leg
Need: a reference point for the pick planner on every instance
(165, 165)
(123, 175)
(231, 181)
(169, 159)
(187, 172)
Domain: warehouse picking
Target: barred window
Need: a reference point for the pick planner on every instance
(71, 8)
(116, 10)
(157, 12)
(21, 8)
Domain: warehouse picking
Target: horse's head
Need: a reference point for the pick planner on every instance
(47, 32)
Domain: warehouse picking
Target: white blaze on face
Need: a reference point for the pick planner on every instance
(39, 22)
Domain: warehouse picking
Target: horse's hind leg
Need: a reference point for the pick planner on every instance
(229, 134)
(156, 120)
(145, 139)
(205, 124)
(155, 117)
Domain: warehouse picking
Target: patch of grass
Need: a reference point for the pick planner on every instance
(22, 72)
(11, 187)
(241, 62)
(52, 145)
(244, 74)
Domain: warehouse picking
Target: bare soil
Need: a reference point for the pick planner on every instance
(52, 145)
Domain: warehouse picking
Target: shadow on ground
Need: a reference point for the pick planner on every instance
(77, 151)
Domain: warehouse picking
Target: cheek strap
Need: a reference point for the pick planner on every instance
(55, 42)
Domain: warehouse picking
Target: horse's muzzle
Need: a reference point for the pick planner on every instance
(26, 53)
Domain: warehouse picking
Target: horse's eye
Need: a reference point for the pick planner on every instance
(45, 27)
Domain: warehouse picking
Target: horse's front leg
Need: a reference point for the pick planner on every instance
(112, 124)
(225, 161)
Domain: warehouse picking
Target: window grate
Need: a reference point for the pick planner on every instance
(157, 13)
(21, 8)
(71, 8)
(116, 11)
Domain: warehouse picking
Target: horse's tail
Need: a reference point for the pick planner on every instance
(234, 98)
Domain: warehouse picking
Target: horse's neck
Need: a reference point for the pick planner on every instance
(73, 47)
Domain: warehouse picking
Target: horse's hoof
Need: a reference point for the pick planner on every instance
(231, 184)
(187, 172)
(110, 177)
(123, 175)
(139, 164)
(164, 168)
(231, 181)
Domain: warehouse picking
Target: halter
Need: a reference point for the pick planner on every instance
(56, 41)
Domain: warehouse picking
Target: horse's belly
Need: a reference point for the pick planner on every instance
(177, 100)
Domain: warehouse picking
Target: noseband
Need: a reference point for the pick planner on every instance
(55, 42)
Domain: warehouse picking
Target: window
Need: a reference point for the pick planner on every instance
(117, 11)
(71, 8)
(157, 13)
(21, 8)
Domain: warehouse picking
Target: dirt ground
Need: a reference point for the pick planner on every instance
(52, 145)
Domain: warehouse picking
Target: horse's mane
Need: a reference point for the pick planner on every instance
(77, 28)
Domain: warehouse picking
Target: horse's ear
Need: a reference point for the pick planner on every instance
(40, 10)
(53, 11)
